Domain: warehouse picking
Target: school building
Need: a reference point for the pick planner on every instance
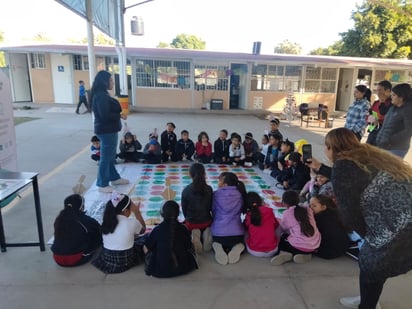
(195, 79)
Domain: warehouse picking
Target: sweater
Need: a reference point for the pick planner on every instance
(106, 112)
(396, 130)
(221, 148)
(378, 208)
(203, 150)
(262, 238)
(226, 209)
(197, 206)
(296, 238)
(185, 148)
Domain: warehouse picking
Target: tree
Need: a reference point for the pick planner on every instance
(163, 45)
(383, 29)
(287, 47)
(2, 58)
(331, 50)
(187, 41)
(41, 37)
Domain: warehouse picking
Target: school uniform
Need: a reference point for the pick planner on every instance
(221, 149)
(183, 147)
(168, 143)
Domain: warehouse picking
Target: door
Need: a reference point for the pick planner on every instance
(63, 88)
(20, 78)
(238, 86)
(345, 89)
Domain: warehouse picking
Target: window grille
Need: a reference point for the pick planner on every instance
(38, 61)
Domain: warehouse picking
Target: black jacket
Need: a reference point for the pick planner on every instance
(168, 141)
(187, 148)
(221, 148)
(196, 206)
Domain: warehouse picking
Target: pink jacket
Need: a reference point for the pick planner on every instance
(296, 238)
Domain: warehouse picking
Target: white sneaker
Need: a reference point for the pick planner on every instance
(207, 239)
(220, 254)
(120, 181)
(107, 189)
(353, 302)
(234, 254)
(281, 258)
(302, 258)
(196, 241)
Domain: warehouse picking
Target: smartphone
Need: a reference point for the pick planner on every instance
(306, 152)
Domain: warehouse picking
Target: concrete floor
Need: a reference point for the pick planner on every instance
(57, 146)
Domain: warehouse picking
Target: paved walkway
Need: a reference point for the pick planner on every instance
(57, 146)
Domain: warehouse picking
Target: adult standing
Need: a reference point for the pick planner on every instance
(379, 109)
(373, 189)
(395, 134)
(356, 118)
(107, 113)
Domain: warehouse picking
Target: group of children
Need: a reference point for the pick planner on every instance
(227, 220)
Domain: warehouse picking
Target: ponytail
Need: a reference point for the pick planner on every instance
(301, 215)
(253, 202)
(116, 205)
(170, 212)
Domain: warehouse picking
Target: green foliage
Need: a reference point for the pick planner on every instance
(2, 58)
(186, 41)
(41, 37)
(383, 29)
(163, 45)
(331, 50)
(287, 47)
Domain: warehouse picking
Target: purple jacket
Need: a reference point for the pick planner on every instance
(226, 209)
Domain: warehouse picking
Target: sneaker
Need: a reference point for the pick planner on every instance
(281, 258)
(353, 302)
(207, 239)
(248, 164)
(220, 254)
(234, 254)
(107, 189)
(196, 241)
(120, 181)
(302, 258)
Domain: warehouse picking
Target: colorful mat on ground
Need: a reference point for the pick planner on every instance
(154, 184)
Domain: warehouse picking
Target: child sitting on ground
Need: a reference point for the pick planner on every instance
(76, 235)
(236, 151)
(334, 241)
(221, 148)
(251, 150)
(168, 141)
(263, 150)
(152, 152)
(185, 148)
(261, 225)
(296, 175)
(300, 235)
(168, 248)
(271, 161)
(227, 227)
(274, 127)
(129, 146)
(120, 251)
(286, 148)
(95, 148)
(203, 148)
(197, 208)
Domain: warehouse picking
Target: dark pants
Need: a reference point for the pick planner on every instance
(151, 158)
(82, 100)
(284, 245)
(134, 156)
(369, 292)
(165, 157)
(261, 160)
(372, 137)
(204, 159)
(228, 242)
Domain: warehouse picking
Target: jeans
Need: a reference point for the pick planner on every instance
(107, 171)
(399, 153)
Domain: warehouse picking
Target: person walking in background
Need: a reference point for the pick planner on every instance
(356, 118)
(395, 134)
(378, 110)
(82, 98)
(377, 206)
(107, 113)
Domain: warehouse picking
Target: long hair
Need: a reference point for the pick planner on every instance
(198, 174)
(254, 201)
(231, 179)
(403, 91)
(66, 219)
(201, 134)
(100, 84)
(170, 212)
(345, 146)
(111, 211)
(291, 198)
(365, 90)
(330, 206)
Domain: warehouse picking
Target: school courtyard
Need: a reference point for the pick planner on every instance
(55, 143)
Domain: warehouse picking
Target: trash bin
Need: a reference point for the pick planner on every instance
(216, 104)
(124, 103)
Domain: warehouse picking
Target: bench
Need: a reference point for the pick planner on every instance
(315, 113)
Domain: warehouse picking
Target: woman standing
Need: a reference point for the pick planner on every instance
(107, 114)
(356, 118)
(395, 134)
(373, 190)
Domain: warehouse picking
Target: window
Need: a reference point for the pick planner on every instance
(38, 61)
(212, 77)
(80, 63)
(320, 79)
(163, 73)
(276, 78)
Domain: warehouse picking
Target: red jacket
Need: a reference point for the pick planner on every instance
(203, 150)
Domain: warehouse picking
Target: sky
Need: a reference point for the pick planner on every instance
(225, 25)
